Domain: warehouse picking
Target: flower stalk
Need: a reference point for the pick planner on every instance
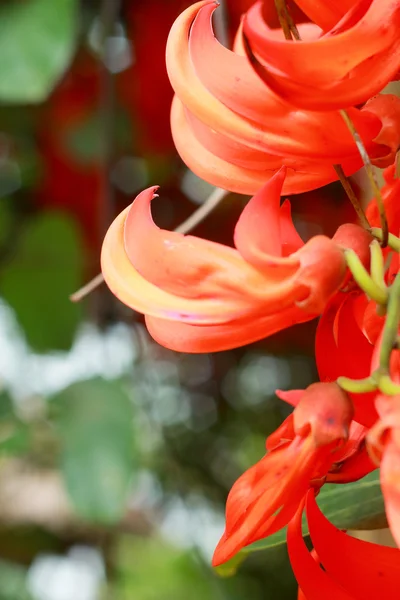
(364, 280)
(286, 22)
(371, 176)
(352, 197)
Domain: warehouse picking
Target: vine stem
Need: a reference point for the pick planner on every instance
(389, 339)
(363, 278)
(203, 211)
(352, 196)
(185, 227)
(371, 175)
(286, 22)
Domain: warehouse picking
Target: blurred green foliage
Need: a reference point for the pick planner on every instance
(45, 267)
(37, 40)
(96, 427)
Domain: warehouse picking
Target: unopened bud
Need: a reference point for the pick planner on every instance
(326, 412)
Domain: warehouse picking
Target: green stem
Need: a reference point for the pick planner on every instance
(388, 386)
(393, 241)
(363, 279)
(390, 330)
(357, 386)
(377, 267)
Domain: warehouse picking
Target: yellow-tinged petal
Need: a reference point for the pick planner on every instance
(301, 175)
(135, 291)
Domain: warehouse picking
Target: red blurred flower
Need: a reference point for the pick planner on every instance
(146, 92)
(300, 454)
(340, 337)
(383, 441)
(234, 132)
(200, 296)
(69, 181)
(353, 61)
(352, 569)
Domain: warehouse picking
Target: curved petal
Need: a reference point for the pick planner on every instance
(331, 57)
(287, 482)
(352, 342)
(356, 439)
(141, 295)
(372, 323)
(283, 434)
(335, 357)
(239, 88)
(345, 558)
(196, 97)
(292, 397)
(390, 483)
(232, 151)
(324, 74)
(258, 233)
(185, 265)
(290, 238)
(251, 485)
(233, 82)
(387, 108)
(314, 582)
(183, 337)
(221, 173)
(326, 352)
(352, 469)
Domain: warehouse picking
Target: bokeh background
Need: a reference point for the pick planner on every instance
(116, 455)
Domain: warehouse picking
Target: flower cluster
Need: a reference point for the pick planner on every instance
(286, 111)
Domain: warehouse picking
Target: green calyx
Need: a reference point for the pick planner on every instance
(372, 284)
(381, 379)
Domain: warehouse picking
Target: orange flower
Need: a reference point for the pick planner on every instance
(200, 296)
(233, 131)
(383, 442)
(350, 325)
(344, 67)
(300, 454)
(352, 569)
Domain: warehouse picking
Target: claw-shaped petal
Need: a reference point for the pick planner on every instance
(343, 68)
(223, 297)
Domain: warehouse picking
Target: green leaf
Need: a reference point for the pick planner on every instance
(152, 569)
(84, 140)
(36, 282)
(357, 505)
(14, 585)
(37, 41)
(97, 458)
